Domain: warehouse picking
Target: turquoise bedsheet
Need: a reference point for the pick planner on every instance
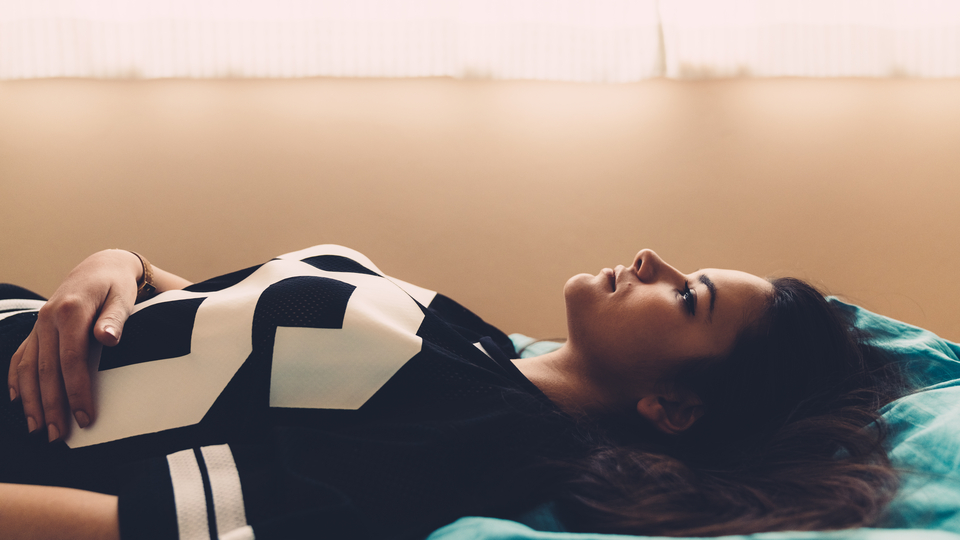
(923, 441)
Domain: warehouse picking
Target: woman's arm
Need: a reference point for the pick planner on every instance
(41, 512)
(49, 371)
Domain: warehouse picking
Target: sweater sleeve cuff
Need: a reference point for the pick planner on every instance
(192, 494)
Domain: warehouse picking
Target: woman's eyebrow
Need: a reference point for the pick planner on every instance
(713, 292)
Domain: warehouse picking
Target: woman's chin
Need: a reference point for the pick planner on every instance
(579, 283)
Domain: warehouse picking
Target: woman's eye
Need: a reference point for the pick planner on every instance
(689, 298)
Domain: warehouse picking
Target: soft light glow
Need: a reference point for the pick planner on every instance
(811, 38)
(572, 40)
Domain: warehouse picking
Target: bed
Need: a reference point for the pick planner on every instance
(923, 443)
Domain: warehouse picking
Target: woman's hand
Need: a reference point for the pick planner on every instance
(50, 370)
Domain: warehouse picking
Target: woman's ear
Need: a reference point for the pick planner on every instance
(671, 413)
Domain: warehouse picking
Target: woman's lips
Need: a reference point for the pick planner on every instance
(611, 277)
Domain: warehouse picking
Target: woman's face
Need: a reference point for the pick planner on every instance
(636, 322)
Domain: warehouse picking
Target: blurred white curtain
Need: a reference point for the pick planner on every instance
(811, 38)
(572, 40)
(569, 40)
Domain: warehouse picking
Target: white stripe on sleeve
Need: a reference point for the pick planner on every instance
(243, 533)
(11, 304)
(188, 496)
(227, 493)
(15, 306)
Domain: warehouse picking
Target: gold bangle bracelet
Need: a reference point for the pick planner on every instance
(145, 285)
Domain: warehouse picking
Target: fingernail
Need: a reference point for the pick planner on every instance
(13, 394)
(31, 424)
(82, 419)
(52, 433)
(110, 330)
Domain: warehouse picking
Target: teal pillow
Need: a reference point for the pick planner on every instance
(926, 358)
(529, 347)
(477, 528)
(923, 427)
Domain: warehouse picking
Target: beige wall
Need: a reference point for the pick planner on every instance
(496, 192)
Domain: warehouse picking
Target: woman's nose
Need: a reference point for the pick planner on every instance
(650, 267)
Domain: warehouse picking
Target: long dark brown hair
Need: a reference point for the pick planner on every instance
(791, 438)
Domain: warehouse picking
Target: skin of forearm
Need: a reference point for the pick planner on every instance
(165, 281)
(54, 513)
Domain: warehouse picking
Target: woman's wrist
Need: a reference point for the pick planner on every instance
(129, 260)
(145, 284)
(141, 270)
(161, 279)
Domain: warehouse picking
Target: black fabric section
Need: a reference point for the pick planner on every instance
(338, 263)
(146, 505)
(207, 493)
(239, 414)
(411, 479)
(308, 301)
(281, 504)
(469, 325)
(28, 458)
(222, 282)
(23, 458)
(441, 368)
(13, 330)
(156, 332)
(9, 291)
(510, 369)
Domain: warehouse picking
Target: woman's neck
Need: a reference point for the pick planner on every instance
(562, 376)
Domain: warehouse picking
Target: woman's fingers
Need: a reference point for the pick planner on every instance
(50, 372)
(28, 382)
(75, 348)
(63, 366)
(113, 315)
(52, 397)
(75, 371)
(12, 382)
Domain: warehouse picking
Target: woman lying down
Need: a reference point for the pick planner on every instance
(314, 396)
